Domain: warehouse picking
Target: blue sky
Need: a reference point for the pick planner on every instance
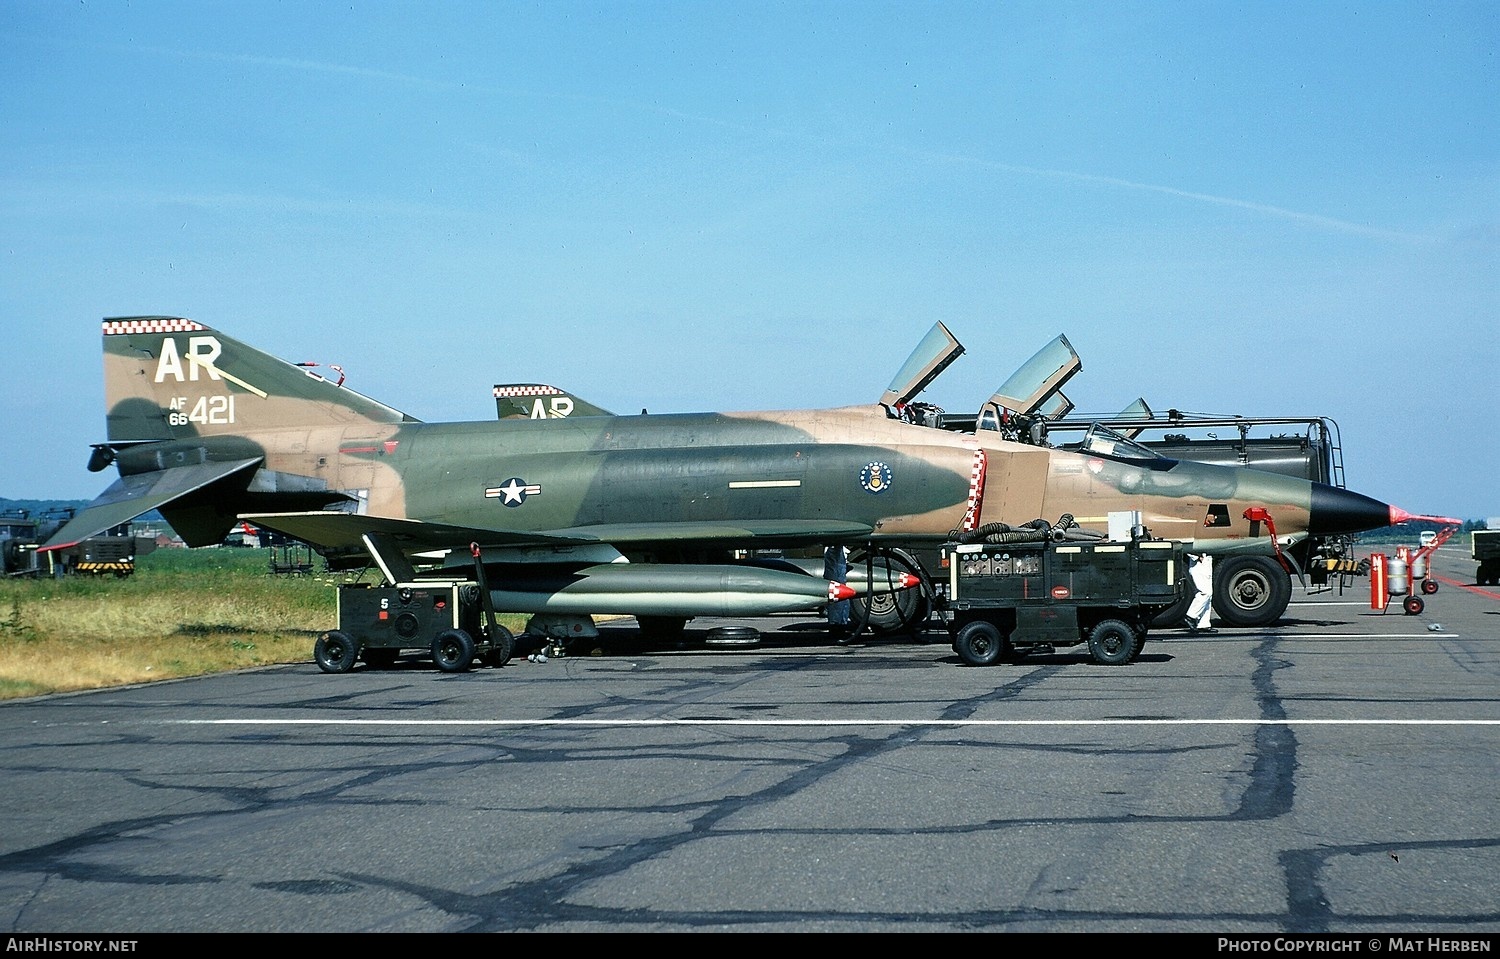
(1267, 209)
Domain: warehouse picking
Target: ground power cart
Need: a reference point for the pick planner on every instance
(449, 620)
(1006, 599)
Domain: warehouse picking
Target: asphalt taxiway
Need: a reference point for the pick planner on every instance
(1334, 774)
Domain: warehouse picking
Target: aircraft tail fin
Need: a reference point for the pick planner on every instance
(170, 378)
(538, 401)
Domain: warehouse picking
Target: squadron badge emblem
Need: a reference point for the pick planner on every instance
(875, 478)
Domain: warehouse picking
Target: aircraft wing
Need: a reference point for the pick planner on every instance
(345, 531)
(130, 496)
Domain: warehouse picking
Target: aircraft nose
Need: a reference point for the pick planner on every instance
(1336, 510)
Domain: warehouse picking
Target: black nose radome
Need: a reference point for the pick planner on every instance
(1336, 510)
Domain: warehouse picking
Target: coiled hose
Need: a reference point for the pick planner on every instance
(1036, 531)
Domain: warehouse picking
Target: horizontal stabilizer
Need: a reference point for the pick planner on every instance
(334, 530)
(130, 496)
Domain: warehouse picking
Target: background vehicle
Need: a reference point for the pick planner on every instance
(1248, 590)
(1485, 547)
(110, 553)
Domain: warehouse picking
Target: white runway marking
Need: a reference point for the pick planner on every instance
(1113, 723)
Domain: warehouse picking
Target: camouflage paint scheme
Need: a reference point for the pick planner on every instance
(211, 431)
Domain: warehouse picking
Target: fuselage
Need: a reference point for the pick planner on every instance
(904, 482)
(210, 428)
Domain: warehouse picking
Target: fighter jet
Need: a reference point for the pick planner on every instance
(639, 515)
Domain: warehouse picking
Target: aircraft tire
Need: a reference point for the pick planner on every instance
(891, 612)
(906, 610)
(453, 650)
(733, 636)
(1113, 642)
(335, 652)
(1250, 590)
(979, 643)
(1172, 616)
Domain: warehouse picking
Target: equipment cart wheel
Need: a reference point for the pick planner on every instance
(335, 652)
(979, 643)
(1113, 643)
(1429, 586)
(502, 647)
(1413, 605)
(453, 651)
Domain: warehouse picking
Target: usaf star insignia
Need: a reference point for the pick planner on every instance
(512, 492)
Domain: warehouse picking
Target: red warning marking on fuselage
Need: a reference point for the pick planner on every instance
(976, 490)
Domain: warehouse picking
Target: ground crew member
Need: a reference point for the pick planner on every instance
(836, 569)
(1200, 610)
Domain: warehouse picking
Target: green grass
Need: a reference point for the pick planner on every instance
(182, 613)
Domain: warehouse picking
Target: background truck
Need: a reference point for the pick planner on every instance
(1007, 595)
(1249, 590)
(1485, 547)
(111, 553)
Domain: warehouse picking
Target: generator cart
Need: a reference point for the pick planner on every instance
(1016, 595)
(451, 620)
